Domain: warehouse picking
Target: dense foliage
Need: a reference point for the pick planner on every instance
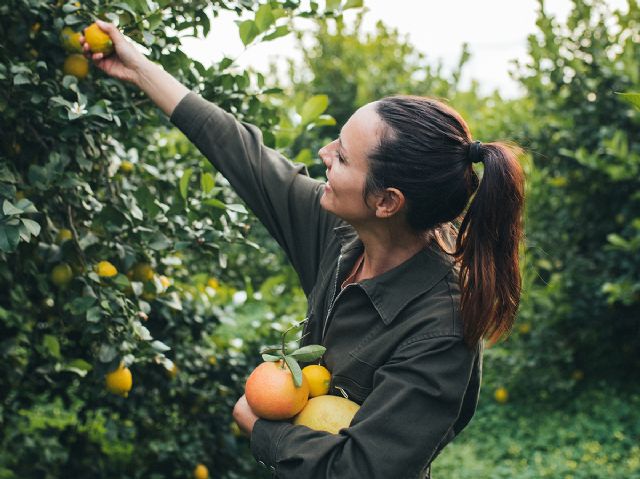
(88, 174)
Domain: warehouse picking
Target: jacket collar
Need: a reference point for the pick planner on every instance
(393, 290)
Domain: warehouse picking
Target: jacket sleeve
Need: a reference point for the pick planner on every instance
(280, 193)
(415, 401)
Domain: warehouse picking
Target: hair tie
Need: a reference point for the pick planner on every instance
(475, 155)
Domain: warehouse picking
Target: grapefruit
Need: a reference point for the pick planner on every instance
(327, 413)
(272, 394)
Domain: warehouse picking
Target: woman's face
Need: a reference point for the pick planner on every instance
(347, 165)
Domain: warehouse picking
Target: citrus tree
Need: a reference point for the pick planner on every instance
(124, 256)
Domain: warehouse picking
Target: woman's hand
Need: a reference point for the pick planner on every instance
(244, 416)
(125, 63)
(128, 64)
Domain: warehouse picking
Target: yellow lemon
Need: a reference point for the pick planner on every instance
(201, 472)
(501, 395)
(213, 283)
(61, 274)
(213, 360)
(105, 269)
(235, 429)
(327, 413)
(76, 65)
(142, 272)
(99, 41)
(70, 40)
(318, 378)
(64, 235)
(126, 166)
(119, 381)
(172, 371)
(524, 328)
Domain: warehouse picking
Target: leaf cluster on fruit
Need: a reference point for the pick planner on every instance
(307, 353)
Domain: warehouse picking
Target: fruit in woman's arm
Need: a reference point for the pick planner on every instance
(327, 413)
(277, 389)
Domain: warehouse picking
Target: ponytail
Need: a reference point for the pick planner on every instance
(426, 152)
(487, 245)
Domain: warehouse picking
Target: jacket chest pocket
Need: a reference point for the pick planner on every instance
(349, 388)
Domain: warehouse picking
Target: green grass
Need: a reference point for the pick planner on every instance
(593, 434)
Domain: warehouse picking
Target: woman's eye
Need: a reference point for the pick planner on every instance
(340, 157)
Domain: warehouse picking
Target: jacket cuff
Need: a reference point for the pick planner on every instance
(265, 437)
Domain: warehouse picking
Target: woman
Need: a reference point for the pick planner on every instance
(399, 298)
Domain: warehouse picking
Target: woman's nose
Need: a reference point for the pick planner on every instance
(325, 156)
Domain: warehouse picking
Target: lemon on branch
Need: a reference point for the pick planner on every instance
(99, 41)
(119, 381)
(105, 269)
(70, 40)
(76, 65)
(61, 274)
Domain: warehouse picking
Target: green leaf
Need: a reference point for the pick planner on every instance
(207, 182)
(21, 79)
(304, 157)
(353, 4)
(216, 203)
(10, 210)
(248, 31)
(313, 108)
(32, 226)
(81, 305)
(294, 367)
(333, 5)
(94, 315)
(271, 357)
(159, 346)
(238, 208)
(51, 343)
(184, 182)
(160, 243)
(278, 32)
(633, 98)
(308, 353)
(107, 353)
(76, 366)
(264, 17)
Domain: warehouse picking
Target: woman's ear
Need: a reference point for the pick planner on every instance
(389, 202)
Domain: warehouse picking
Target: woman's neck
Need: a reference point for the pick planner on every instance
(386, 247)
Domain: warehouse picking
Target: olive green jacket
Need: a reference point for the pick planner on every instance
(394, 342)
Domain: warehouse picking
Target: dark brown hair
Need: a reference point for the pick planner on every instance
(424, 152)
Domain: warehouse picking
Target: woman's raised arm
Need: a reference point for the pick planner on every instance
(128, 64)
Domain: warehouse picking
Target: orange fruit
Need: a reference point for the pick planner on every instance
(318, 378)
(76, 65)
(501, 395)
(64, 235)
(105, 269)
(61, 274)
(119, 381)
(99, 41)
(142, 272)
(327, 413)
(70, 40)
(201, 472)
(272, 394)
